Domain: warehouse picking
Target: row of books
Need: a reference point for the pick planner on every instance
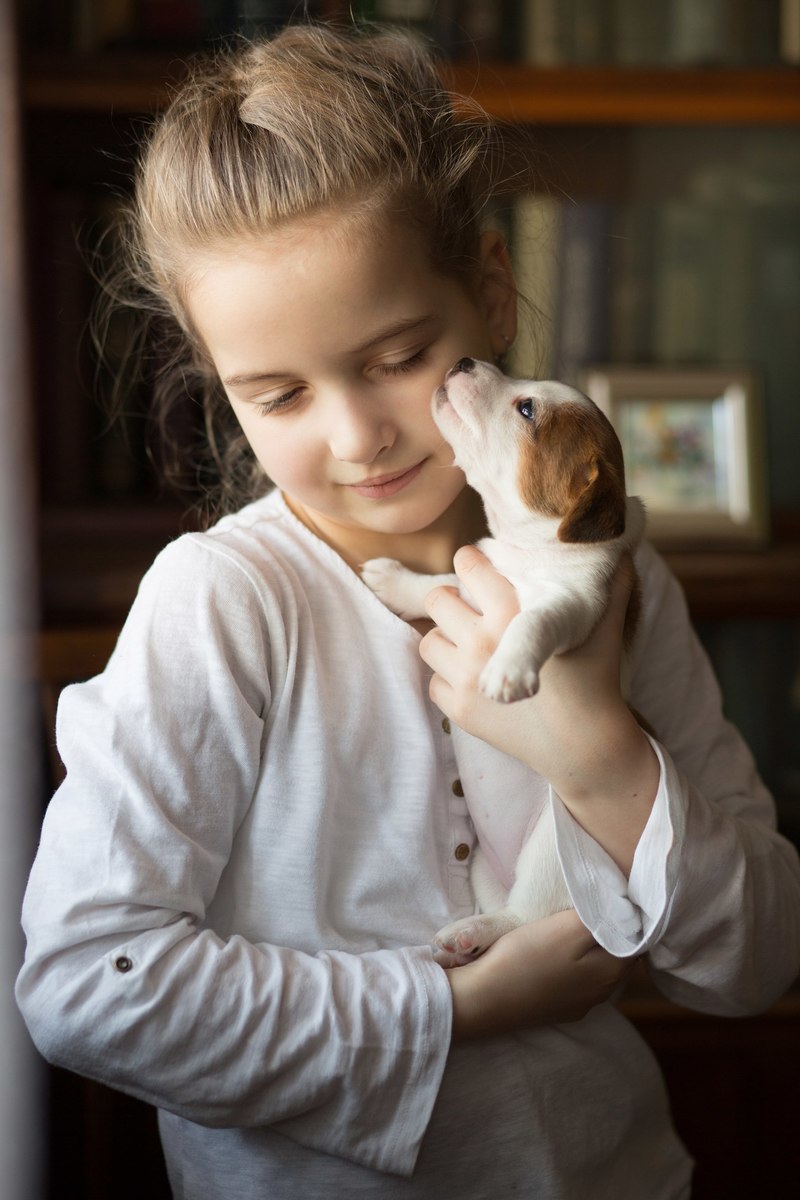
(661, 32)
(680, 281)
(540, 32)
(93, 447)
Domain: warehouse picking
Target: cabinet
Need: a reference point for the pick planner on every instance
(596, 132)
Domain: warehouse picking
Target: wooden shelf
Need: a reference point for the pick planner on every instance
(632, 96)
(93, 559)
(511, 92)
(728, 584)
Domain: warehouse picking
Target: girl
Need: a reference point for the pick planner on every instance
(262, 823)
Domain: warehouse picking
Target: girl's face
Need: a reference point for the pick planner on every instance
(330, 343)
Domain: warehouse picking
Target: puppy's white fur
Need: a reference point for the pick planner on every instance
(549, 469)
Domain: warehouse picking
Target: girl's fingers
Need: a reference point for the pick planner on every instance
(450, 612)
(492, 599)
(491, 591)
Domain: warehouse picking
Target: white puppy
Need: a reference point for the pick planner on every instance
(548, 466)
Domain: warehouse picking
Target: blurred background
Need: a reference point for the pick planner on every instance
(655, 231)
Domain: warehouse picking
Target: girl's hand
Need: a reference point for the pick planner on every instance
(577, 689)
(546, 973)
(577, 731)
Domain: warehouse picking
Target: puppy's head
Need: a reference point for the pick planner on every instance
(536, 448)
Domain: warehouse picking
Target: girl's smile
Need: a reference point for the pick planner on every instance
(330, 339)
(387, 485)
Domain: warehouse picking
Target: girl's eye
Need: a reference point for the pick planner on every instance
(265, 407)
(406, 364)
(525, 409)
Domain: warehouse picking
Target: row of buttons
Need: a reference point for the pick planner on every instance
(462, 850)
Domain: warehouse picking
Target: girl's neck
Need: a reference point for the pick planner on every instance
(429, 551)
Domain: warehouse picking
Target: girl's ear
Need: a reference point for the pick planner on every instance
(497, 291)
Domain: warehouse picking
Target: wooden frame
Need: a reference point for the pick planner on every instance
(694, 450)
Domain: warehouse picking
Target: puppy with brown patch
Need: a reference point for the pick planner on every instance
(549, 469)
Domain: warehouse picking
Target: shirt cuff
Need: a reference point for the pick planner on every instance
(625, 916)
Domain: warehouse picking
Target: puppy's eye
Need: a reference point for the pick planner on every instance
(525, 409)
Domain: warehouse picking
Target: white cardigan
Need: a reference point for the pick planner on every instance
(230, 909)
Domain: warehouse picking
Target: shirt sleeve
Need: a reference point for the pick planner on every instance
(713, 895)
(124, 982)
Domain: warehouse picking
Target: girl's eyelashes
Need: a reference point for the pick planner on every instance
(405, 364)
(265, 407)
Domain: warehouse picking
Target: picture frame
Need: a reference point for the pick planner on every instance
(693, 443)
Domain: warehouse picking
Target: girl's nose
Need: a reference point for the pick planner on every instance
(359, 430)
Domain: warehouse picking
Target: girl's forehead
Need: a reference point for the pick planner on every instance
(348, 231)
(321, 258)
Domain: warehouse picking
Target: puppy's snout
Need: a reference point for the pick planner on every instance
(463, 366)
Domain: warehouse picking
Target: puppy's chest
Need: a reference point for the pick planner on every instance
(525, 565)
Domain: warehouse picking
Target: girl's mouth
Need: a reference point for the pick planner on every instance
(387, 485)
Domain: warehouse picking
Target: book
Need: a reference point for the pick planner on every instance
(698, 32)
(683, 282)
(475, 29)
(416, 15)
(535, 241)
(100, 24)
(582, 318)
(638, 32)
(591, 33)
(545, 35)
(775, 318)
(789, 31)
(631, 302)
(170, 21)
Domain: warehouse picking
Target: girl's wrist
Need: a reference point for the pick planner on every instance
(597, 758)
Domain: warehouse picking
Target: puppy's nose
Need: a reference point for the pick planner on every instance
(463, 364)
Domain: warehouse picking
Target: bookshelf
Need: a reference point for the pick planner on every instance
(590, 129)
(572, 112)
(509, 91)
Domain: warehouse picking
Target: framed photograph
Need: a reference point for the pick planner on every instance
(694, 448)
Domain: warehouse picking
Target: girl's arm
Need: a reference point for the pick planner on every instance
(126, 980)
(684, 861)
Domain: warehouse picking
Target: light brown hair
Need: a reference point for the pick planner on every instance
(317, 118)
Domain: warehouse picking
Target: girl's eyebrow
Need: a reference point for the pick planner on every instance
(394, 330)
(408, 325)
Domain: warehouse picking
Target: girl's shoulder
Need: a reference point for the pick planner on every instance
(260, 544)
(260, 563)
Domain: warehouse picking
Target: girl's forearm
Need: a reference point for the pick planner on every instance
(608, 781)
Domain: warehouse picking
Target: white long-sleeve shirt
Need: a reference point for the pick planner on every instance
(230, 911)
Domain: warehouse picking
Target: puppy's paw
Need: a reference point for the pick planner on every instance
(508, 681)
(463, 941)
(393, 584)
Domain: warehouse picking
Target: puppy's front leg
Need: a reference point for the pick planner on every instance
(401, 590)
(512, 672)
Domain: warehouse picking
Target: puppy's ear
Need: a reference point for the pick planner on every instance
(597, 508)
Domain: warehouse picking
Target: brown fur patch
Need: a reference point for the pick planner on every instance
(571, 467)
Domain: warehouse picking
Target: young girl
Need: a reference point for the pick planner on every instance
(262, 823)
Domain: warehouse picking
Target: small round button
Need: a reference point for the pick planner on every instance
(461, 851)
(457, 788)
(446, 724)
(123, 963)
